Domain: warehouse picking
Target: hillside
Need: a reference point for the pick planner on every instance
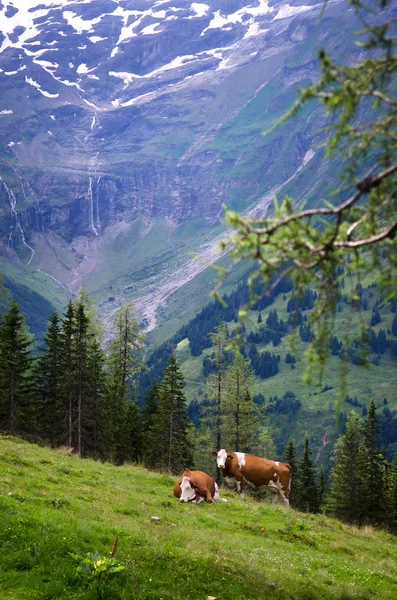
(54, 505)
(321, 401)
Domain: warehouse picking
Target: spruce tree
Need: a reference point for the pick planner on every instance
(48, 385)
(308, 493)
(291, 459)
(240, 415)
(125, 362)
(17, 409)
(148, 419)
(68, 372)
(215, 382)
(82, 335)
(345, 500)
(373, 473)
(392, 496)
(96, 413)
(322, 488)
(172, 422)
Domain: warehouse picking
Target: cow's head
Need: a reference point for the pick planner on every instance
(188, 492)
(221, 457)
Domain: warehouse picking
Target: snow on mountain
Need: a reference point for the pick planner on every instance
(118, 117)
(73, 41)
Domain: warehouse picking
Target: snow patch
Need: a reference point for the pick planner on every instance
(38, 87)
(200, 10)
(150, 29)
(290, 11)
(94, 39)
(81, 69)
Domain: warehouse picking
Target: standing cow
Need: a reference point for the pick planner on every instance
(196, 486)
(242, 467)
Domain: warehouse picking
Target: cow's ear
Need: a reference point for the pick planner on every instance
(230, 455)
(214, 453)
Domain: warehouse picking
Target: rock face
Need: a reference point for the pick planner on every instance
(113, 111)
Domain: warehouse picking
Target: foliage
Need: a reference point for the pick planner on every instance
(240, 414)
(171, 423)
(357, 230)
(125, 361)
(17, 412)
(95, 566)
(308, 497)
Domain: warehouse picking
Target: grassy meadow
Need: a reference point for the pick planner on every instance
(56, 509)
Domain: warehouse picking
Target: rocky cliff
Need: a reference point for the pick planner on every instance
(122, 122)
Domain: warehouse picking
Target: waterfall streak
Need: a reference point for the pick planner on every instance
(16, 222)
(91, 207)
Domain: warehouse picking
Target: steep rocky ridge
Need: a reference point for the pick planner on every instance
(126, 125)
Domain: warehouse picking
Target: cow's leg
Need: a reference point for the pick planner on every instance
(217, 496)
(277, 488)
(240, 487)
(208, 496)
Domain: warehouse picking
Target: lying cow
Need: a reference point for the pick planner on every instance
(196, 486)
(242, 467)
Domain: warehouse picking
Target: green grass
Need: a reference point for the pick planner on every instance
(54, 504)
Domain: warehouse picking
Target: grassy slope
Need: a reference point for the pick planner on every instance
(53, 504)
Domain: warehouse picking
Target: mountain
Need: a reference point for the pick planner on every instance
(126, 125)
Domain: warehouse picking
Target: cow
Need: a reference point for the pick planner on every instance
(196, 486)
(242, 467)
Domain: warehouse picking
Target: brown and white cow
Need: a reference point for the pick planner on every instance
(196, 486)
(242, 467)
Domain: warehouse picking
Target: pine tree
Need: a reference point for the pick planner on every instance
(291, 459)
(96, 415)
(240, 415)
(345, 499)
(68, 371)
(150, 409)
(264, 444)
(125, 362)
(171, 422)
(322, 488)
(48, 385)
(82, 335)
(373, 474)
(308, 493)
(215, 382)
(17, 410)
(392, 496)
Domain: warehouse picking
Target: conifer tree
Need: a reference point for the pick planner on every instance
(215, 383)
(345, 499)
(96, 414)
(392, 495)
(263, 442)
(373, 472)
(322, 488)
(17, 411)
(291, 459)
(172, 422)
(308, 492)
(148, 419)
(125, 362)
(240, 415)
(68, 370)
(82, 335)
(48, 385)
